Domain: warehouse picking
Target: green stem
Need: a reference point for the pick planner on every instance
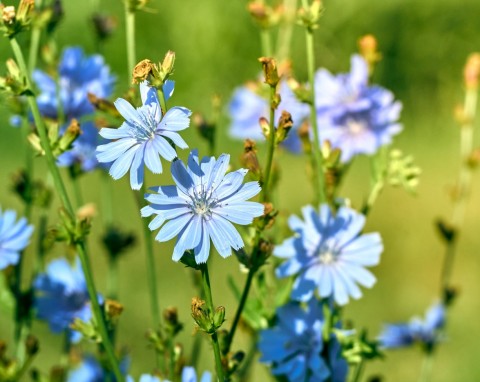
(357, 374)
(319, 180)
(271, 149)
(241, 306)
(426, 367)
(209, 300)
(286, 29)
(107, 198)
(61, 190)
(77, 190)
(163, 102)
(112, 279)
(266, 42)
(130, 37)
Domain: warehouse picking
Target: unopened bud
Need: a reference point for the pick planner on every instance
(168, 64)
(259, 12)
(264, 126)
(219, 317)
(171, 319)
(270, 71)
(310, 15)
(142, 71)
(285, 123)
(446, 230)
(249, 158)
(70, 135)
(31, 345)
(471, 72)
(104, 25)
(113, 309)
(367, 45)
(25, 9)
(87, 211)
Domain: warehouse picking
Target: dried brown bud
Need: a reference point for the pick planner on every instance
(474, 158)
(471, 73)
(171, 315)
(270, 72)
(367, 46)
(104, 25)
(249, 158)
(142, 70)
(31, 345)
(285, 123)
(113, 309)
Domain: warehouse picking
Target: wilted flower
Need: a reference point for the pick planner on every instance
(202, 205)
(294, 346)
(328, 254)
(425, 332)
(142, 138)
(78, 76)
(61, 296)
(353, 116)
(247, 107)
(14, 237)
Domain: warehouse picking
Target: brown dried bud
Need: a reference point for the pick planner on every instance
(258, 11)
(142, 70)
(270, 72)
(104, 25)
(113, 309)
(31, 345)
(285, 123)
(471, 73)
(249, 158)
(474, 158)
(171, 315)
(367, 45)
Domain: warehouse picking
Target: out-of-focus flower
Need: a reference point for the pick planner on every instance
(61, 296)
(329, 254)
(83, 151)
(142, 138)
(294, 345)
(189, 375)
(14, 237)
(78, 76)
(89, 370)
(247, 107)
(202, 205)
(425, 332)
(353, 116)
(15, 121)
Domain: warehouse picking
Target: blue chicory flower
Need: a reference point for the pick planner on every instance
(329, 254)
(143, 137)
(61, 296)
(425, 332)
(353, 116)
(293, 347)
(189, 375)
(89, 370)
(14, 237)
(83, 151)
(15, 121)
(202, 205)
(78, 76)
(246, 108)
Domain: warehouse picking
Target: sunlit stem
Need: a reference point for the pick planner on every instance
(357, 371)
(463, 185)
(61, 191)
(271, 149)
(130, 37)
(34, 42)
(426, 370)
(209, 301)
(266, 42)
(285, 30)
(319, 178)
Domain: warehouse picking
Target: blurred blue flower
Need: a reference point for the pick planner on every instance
(14, 237)
(83, 151)
(189, 375)
(149, 378)
(202, 205)
(15, 120)
(89, 370)
(294, 346)
(61, 296)
(425, 332)
(246, 108)
(143, 137)
(329, 254)
(78, 76)
(353, 116)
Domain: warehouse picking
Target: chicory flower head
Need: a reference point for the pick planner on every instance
(353, 116)
(142, 138)
(202, 205)
(247, 107)
(14, 237)
(89, 370)
(294, 346)
(189, 375)
(426, 331)
(78, 76)
(329, 254)
(61, 296)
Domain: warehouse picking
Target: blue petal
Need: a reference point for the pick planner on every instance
(173, 227)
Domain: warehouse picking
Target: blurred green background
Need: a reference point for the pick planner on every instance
(424, 45)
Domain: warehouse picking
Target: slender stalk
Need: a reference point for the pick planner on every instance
(464, 184)
(357, 373)
(319, 180)
(271, 149)
(426, 370)
(209, 300)
(286, 29)
(266, 42)
(61, 190)
(112, 279)
(107, 205)
(163, 102)
(241, 305)
(77, 190)
(130, 37)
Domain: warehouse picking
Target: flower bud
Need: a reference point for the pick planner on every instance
(474, 158)
(249, 158)
(31, 345)
(201, 315)
(8, 14)
(270, 72)
(104, 25)
(87, 211)
(113, 309)
(218, 317)
(285, 123)
(264, 125)
(168, 65)
(170, 315)
(367, 45)
(25, 9)
(117, 241)
(142, 71)
(72, 132)
(471, 73)
(310, 15)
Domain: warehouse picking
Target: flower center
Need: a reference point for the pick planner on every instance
(355, 127)
(202, 203)
(327, 257)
